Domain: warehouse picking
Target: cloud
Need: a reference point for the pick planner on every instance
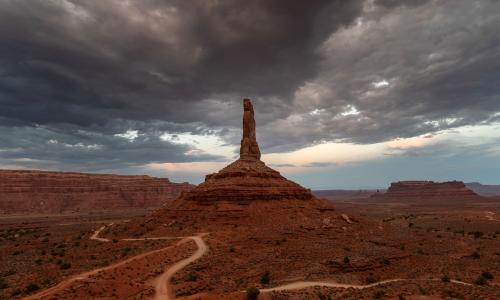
(105, 80)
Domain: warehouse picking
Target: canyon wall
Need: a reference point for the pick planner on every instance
(56, 192)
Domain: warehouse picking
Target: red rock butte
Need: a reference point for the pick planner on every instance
(248, 178)
(428, 190)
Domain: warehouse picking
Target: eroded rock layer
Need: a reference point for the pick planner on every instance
(54, 192)
(247, 180)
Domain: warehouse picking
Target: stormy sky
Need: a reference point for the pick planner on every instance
(347, 94)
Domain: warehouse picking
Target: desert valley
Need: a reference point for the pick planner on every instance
(245, 233)
(249, 150)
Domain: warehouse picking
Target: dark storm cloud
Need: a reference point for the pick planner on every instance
(317, 71)
(110, 66)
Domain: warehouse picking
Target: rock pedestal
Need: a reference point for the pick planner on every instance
(248, 178)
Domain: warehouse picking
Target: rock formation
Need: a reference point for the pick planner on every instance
(54, 192)
(427, 190)
(249, 147)
(248, 178)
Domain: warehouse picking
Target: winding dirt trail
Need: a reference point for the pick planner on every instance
(306, 284)
(163, 289)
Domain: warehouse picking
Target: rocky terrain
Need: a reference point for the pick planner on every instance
(249, 233)
(427, 191)
(27, 192)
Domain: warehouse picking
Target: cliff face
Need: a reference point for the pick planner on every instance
(428, 190)
(484, 189)
(54, 192)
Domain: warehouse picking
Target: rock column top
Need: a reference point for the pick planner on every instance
(249, 147)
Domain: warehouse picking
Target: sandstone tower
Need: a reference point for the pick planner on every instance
(248, 178)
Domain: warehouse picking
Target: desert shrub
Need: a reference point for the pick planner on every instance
(475, 255)
(401, 297)
(445, 278)
(31, 287)
(15, 292)
(192, 277)
(378, 294)
(487, 275)
(38, 261)
(265, 278)
(252, 293)
(3, 284)
(346, 260)
(481, 280)
(65, 266)
(232, 249)
(371, 279)
(477, 234)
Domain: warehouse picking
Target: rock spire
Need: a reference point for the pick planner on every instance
(249, 147)
(248, 178)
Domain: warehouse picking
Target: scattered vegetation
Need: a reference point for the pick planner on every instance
(252, 293)
(445, 278)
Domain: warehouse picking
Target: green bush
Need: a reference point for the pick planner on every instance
(252, 293)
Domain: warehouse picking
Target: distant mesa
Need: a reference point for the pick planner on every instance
(26, 192)
(485, 190)
(248, 178)
(427, 191)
